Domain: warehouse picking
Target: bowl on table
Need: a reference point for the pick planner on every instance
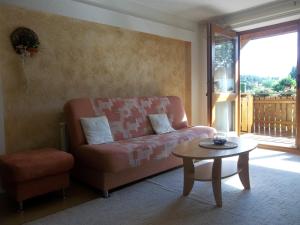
(220, 138)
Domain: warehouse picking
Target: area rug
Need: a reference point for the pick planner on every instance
(274, 198)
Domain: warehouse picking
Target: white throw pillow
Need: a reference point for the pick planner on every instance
(96, 130)
(160, 123)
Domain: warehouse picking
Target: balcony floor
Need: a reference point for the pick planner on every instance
(279, 141)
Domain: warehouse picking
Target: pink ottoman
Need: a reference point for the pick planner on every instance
(35, 172)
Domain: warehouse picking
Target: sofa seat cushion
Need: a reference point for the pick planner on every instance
(121, 155)
(34, 164)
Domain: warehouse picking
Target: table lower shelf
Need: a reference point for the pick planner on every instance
(203, 171)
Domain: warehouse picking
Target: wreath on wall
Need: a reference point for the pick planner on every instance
(25, 41)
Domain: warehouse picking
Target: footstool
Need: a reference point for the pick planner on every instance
(35, 172)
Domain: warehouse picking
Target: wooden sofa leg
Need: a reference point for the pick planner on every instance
(105, 194)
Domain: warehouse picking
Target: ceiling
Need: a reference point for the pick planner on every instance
(179, 14)
(193, 10)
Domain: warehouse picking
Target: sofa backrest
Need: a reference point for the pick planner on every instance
(128, 117)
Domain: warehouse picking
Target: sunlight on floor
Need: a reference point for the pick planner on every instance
(271, 140)
(234, 182)
(268, 159)
(275, 160)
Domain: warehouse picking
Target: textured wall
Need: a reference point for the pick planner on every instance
(80, 59)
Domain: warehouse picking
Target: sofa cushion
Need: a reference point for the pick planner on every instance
(125, 116)
(96, 130)
(120, 155)
(160, 123)
(34, 164)
(170, 105)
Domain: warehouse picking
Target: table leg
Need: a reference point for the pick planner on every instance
(188, 167)
(243, 167)
(216, 181)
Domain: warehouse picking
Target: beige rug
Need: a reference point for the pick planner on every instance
(273, 199)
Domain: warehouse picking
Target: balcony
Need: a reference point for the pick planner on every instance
(269, 120)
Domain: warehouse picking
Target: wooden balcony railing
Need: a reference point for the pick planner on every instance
(274, 116)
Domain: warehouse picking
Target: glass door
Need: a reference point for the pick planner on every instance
(223, 88)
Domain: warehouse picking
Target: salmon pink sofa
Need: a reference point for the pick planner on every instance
(137, 152)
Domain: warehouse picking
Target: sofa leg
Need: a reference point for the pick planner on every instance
(21, 206)
(105, 194)
(63, 191)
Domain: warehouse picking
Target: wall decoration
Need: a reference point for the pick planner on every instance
(25, 41)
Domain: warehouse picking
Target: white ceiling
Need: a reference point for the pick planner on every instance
(193, 10)
(186, 14)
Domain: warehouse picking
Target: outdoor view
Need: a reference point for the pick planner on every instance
(268, 66)
(268, 86)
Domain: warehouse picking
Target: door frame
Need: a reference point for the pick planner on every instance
(267, 31)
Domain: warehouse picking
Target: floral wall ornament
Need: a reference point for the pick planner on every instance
(25, 41)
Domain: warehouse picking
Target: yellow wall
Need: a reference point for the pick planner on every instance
(80, 59)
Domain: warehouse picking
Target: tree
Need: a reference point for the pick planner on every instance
(285, 84)
(263, 91)
(268, 83)
(293, 73)
(224, 54)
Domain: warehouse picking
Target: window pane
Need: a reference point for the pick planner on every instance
(224, 65)
(224, 117)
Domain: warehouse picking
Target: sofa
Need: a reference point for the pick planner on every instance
(136, 152)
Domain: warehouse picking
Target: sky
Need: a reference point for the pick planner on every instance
(273, 56)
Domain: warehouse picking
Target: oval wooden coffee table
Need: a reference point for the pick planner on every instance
(214, 171)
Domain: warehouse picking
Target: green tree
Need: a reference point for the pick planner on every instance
(224, 54)
(285, 84)
(293, 73)
(262, 91)
(268, 83)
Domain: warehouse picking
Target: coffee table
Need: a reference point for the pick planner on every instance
(216, 170)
